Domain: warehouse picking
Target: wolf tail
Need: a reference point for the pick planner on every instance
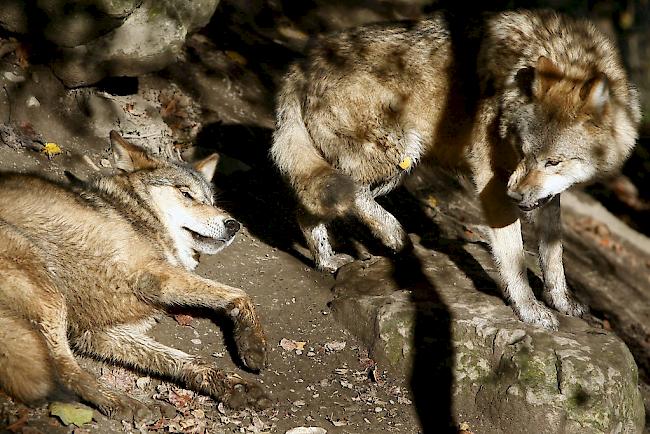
(322, 190)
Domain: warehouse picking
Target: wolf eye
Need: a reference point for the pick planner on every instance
(550, 163)
(186, 192)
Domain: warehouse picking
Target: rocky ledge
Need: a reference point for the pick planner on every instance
(437, 317)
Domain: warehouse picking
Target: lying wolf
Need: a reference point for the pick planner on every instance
(87, 269)
(525, 104)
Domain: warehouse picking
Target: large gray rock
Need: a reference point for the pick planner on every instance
(510, 376)
(100, 38)
(439, 318)
(149, 39)
(64, 22)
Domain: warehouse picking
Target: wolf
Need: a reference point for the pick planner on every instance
(524, 104)
(85, 269)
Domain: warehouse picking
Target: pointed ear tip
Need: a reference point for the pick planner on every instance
(212, 158)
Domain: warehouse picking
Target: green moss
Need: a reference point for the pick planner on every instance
(395, 344)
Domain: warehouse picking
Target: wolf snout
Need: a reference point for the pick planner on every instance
(232, 226)
(515, 196)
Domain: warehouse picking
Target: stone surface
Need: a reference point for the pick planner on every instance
(576, 380)
(438, 317)
(100, 38)
(149, 39)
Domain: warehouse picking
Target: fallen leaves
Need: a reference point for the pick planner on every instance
(50, 149)
(464, 428)
(291, 345)
(19, 424)
(334, 346)
(184, 320)
(236, 57)
(307, 430)
(597, 231)
(71, 413)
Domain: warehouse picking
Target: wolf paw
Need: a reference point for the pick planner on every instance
(251, 345)
(565, 303)
(397, 241)
(121, 407)
(537, 314)
(243, 393)
(332, 263)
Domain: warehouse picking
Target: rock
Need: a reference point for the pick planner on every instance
(137, 118)
(514, 375)
(13, 16)
(148, 40)
(100, 38)
(438, 317)
(64, 22)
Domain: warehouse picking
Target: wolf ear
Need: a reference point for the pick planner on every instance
(207, 166)
(595, 93)
(546, 75)
(129, 157)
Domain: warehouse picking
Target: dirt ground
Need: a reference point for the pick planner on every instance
(318, 374)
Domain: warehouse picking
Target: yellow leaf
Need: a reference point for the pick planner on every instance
(405, 163)
(51, 149)
(432, 201)
(70, 413)
(236, 57)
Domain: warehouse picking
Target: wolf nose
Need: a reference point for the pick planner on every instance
(232, 226)
(515, 195)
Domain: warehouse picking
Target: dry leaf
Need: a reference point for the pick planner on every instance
(50, 149)
(184, 320)
(180, 398)
(335, 346)
(18, 425)
(307, 430)
(22, 56)
(236, 57)
(71, 413)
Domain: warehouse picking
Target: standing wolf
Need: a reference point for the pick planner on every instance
(86, 269)
(525, 104)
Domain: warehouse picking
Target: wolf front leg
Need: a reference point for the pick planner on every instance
(548, 223)
(172, 286)
(508, 252)
(382, 224)
(127, 344)
(318, 242)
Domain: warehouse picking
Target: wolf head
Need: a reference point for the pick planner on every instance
(565, 102)
(182, 197)
(571, 128)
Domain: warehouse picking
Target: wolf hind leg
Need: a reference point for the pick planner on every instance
(53, 327)
(382, 224)
(317, 238)
(547, 220)
(25, 371)
(128, 345)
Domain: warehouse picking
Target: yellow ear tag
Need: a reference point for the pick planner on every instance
(405, 163)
